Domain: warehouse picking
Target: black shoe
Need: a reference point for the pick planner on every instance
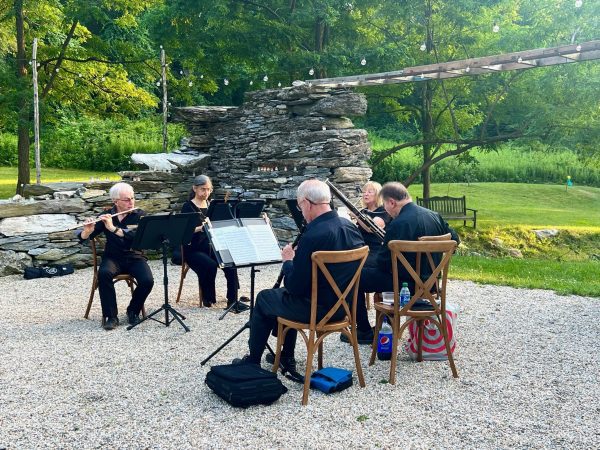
(288, 367)
(365, 337)
(133, 318)
(111, 323)
(243, 360)
(207, 303)
(237, 307)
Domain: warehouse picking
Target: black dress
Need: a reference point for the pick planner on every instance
(198, 255)
(375, 244)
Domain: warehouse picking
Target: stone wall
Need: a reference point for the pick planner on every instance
(262, 149)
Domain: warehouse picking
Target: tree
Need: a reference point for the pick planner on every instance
(73, 34)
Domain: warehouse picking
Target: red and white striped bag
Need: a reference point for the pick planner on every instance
(433, 341)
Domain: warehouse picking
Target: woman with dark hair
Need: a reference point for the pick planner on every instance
(197, 254)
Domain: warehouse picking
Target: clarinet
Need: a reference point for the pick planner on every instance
(280, 277)
(364, 218)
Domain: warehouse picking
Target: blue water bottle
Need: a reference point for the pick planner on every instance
(404, 295)
(384, 341)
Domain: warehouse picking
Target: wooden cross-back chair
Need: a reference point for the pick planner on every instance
(184, 270)
(318, 331)
(430, 289)
(121, 277)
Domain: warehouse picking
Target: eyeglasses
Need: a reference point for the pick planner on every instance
(128, 199)
(309, 201)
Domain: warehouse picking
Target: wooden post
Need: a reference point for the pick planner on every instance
(36, 114)
(164, 100)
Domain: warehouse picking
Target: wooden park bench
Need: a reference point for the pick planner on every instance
(450, 208)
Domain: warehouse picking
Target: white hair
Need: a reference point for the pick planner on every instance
(314, 190)
(117, 189)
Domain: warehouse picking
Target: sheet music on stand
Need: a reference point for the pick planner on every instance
(242, 242)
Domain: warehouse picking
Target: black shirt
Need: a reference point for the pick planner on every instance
(326, 232)
(118, 247)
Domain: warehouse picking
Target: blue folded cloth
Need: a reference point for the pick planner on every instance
(331, 379)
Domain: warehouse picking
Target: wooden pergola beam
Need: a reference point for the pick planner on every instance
(526, 59)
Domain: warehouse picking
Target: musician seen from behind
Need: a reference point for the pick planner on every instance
(409, 223)
(118, 257)
(325, 230)
(373, 207)
(197, 254)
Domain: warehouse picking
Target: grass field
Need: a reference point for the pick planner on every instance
(8, 177)
(536, 205)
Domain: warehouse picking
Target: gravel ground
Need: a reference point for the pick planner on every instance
(527, 363)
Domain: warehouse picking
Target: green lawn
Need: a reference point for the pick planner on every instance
(8, 177)
(536, 205)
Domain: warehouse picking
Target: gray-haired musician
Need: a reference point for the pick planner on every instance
(325, 230)
(197, 254)
(118, 256)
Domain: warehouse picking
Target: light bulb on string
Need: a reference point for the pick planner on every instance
(423, 47)
(190, 84)
(225, 81)
(57, 70)
(38, 64)
(311, 72)
(160, 47)
(279, 84)
(496, 28)
(578, 48)
(157, 83)
(80, 75)
(265, 78)
(201, 76)
(30, 62)
(578, 3)
(181, 72)
(468, 69)
(363, 62)
(520, 60)
(251, 82)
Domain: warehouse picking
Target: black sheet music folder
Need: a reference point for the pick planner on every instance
(243, 242)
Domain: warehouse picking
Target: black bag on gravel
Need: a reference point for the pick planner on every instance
(244, 385)
(48, 271)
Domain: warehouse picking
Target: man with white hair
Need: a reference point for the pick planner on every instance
(118, 225)
(325, 230)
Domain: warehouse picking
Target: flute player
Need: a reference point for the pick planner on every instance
(119, 258)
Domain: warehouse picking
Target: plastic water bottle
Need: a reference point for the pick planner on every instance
(404, 295)
(384, 341)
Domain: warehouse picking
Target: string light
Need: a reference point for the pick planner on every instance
(578, 48)
(190, 84)
(468, 69)
(496, 28)
(265, 78)
(520, 60)
(311, 72)
(160, 47)
(57, 70)
(363, 62)
(423, 47)
(181, 72)
(226, 82)
(578, 3)
(251, 82)
(157, 83)
(279, 84)
(201, 76)
(80, 75)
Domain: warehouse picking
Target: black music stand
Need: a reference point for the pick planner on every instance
(156, 232)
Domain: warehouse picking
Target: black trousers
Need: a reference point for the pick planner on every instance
(136, 267)
(372, 279)
(206, 268)
(273, 303)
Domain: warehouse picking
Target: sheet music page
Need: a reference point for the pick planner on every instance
(264, 240)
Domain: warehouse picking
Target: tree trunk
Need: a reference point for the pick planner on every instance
(23, 103)
(427, 128)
